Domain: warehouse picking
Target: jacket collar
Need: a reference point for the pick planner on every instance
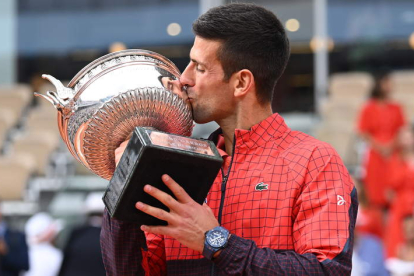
(272, 127)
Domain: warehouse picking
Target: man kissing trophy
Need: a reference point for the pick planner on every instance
(130, 95)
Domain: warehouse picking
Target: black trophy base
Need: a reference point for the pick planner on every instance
(192, 163)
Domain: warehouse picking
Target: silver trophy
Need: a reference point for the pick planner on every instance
(126, 95)
(112, 95)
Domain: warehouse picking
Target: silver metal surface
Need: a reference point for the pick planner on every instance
(112, 95)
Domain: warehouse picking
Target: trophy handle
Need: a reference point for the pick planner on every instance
(61, 97)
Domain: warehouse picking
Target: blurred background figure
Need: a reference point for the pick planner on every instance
(401, 192)
(82, 253)
(14, 257)
(369, 255)
(379, 123)
(403, 263)
(401, 166)
(45, 258)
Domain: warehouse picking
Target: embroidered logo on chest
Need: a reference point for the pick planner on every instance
(261, 186)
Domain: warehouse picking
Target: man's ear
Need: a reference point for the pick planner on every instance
(243, 82)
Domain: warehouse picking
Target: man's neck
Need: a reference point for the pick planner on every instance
(242, 119)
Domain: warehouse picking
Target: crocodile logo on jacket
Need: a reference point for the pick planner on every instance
(261, 186)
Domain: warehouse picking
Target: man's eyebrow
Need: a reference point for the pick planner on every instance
(196, 61)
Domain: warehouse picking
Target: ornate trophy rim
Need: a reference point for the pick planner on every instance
(111, 56)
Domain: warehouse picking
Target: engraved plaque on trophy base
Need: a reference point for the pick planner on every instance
(192, 163)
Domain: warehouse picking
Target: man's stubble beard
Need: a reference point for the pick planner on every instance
(200, 115)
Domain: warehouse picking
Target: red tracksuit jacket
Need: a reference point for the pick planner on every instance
(286, 198)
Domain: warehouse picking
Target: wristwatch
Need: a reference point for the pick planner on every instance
(215, 240)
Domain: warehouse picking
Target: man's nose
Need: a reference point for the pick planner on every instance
(186, 78)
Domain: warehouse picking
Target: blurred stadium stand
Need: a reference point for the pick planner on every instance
(347, 93)
(403, 82)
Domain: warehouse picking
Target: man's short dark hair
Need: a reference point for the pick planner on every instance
(253, 38)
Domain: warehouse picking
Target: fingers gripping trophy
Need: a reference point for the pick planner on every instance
(131, 95)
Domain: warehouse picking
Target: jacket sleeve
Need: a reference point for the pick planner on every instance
(125, 251)
(323, 223)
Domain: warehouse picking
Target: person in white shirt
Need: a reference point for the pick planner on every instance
(45, 259)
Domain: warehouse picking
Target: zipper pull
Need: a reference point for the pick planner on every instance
(223, 183)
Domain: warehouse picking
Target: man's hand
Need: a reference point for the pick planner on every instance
(187, 220)
(3, 247)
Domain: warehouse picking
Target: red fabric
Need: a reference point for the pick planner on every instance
(402, 183)
(289, 215)
(401, 207)
(401, 177)
(369, 221)
(302, 223)
(381, 121)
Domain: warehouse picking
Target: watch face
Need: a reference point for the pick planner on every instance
(216, 238)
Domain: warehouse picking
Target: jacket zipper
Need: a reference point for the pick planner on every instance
(223, 194)
(225, 177)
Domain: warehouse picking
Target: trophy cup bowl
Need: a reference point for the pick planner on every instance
(111, 96)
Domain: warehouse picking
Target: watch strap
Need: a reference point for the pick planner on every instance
(208, 250)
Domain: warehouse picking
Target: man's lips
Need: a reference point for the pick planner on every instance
(186, 90)
(187, 93)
